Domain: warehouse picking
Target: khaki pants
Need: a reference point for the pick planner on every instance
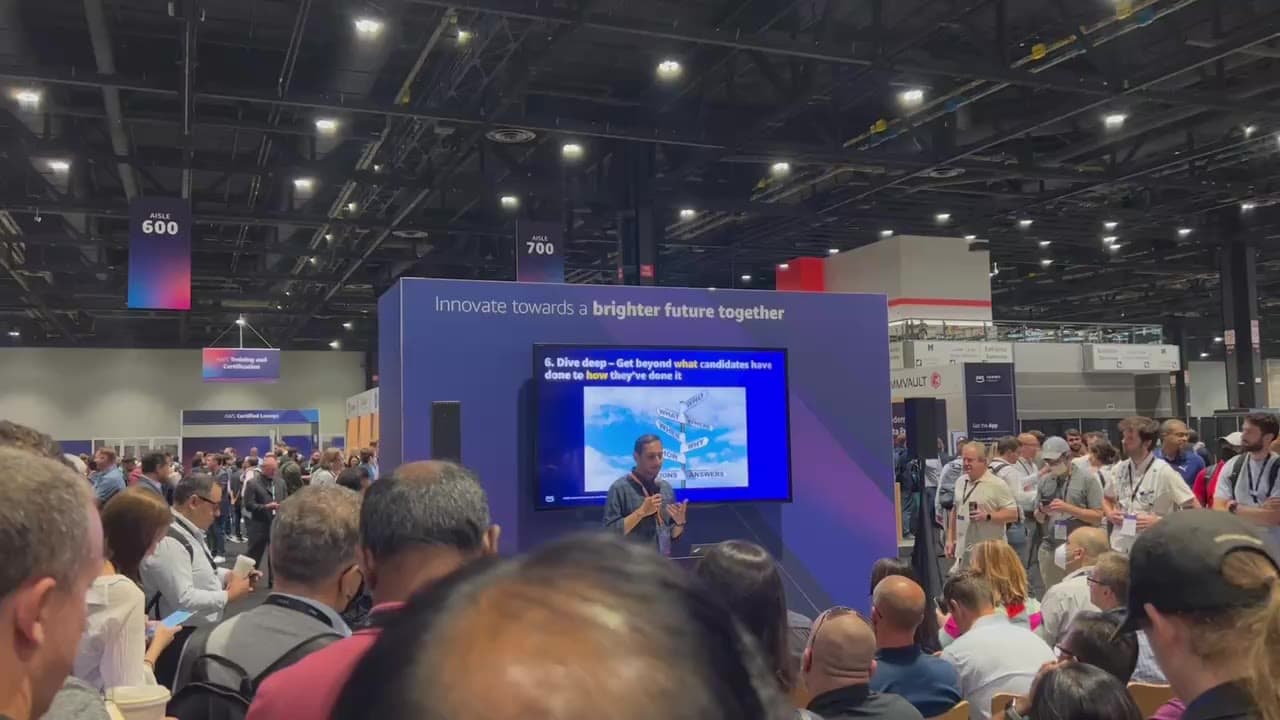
(1049, 570)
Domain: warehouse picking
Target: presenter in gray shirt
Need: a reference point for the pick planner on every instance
(643, 506)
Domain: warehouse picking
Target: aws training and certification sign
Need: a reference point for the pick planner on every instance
(159, 254)
(240, 365)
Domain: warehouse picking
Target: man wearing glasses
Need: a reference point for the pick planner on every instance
(181, 574)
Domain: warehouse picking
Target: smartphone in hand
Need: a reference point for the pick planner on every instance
(176, 618)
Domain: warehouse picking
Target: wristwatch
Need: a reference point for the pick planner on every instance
(1232, 507)
(988, 517)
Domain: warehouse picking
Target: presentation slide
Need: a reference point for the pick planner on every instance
(719, 414)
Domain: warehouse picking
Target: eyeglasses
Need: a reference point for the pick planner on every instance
(208, 500)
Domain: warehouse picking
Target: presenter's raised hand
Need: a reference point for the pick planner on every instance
(650, 506)
(678, 511)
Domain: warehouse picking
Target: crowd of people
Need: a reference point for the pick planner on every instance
(1186, 599)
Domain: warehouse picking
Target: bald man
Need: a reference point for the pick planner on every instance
(837, 668)
(1062, 601)
(929, 683)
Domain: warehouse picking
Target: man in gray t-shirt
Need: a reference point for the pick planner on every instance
(1070, 497)
(640, 500)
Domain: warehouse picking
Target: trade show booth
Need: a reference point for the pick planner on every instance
(224, 428)
(757, 396)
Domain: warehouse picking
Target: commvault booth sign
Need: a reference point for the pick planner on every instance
(241, 365)
(160, 253)
(540, 251)
(990, 402)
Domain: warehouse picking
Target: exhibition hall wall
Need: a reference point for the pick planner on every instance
(472, 342)
(84, 393)
(1053, 383)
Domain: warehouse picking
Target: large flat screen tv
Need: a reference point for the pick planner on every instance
(720, 413)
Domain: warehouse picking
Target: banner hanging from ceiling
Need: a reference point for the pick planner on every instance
(159, 254)
(241, 365)
(539, 251)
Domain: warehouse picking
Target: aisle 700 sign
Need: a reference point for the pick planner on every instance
(539, 251)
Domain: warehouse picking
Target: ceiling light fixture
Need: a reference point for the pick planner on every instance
(1204, 354)
(1110, 239)
(1110, 225)
(1218, 339)
(313, 260)
(326, 125)
(1114, 247)
(1249, 130)
(304, 183)
(509, 202)
(1247, 206)
(746, 278)
(886, 233)
(59, 165)
(911, 97)
(240, 321)
(970, 238)
(780, 168)
(1114, 120)
(335, 344)
(942, 217)
(670, 69)
(368, 26)
(571, 151)
(833, 251)
(1183, 232)
(784, 266)
(27, 97)
(1046, 262)
(352, 206)
(15, 333)
(1026, 223)
(347, 326)
(464, 36)
(1045, 243)
(688, 213)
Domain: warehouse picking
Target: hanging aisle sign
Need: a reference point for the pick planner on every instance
(241, 365)
(539, 251)
(160, 254)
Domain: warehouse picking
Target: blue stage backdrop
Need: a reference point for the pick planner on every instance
(473, 342)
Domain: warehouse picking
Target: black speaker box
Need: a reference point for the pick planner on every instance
(446, 430)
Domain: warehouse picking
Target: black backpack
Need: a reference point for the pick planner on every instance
(203, 699)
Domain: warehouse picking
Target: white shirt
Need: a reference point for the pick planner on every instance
(1152, 487)
(186, 580)
(1022, 484)
(115, 636)
(992, 495)
(1062, 602)
(1250, 489)
(995, 656)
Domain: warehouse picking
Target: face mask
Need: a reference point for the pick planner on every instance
(1060, 557)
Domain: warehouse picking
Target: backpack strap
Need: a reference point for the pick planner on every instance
(153, 604)
(294, 654)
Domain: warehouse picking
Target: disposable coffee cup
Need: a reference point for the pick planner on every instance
(244, 565)
(140, 702)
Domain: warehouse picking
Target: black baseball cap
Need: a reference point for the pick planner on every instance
(1176, 566)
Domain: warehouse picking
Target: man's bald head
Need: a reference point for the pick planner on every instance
(899, 602)
(1092, 541)
(841, 652)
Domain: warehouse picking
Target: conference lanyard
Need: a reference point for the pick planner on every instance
(970, 491)
(296, 605)
(1151, 460)
(1262, 473)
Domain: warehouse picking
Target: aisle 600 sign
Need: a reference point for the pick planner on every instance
(160, 253)
(539, 251)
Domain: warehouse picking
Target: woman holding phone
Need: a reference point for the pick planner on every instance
(114, 650)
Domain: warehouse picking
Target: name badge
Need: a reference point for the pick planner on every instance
(1130, 526)
(664, 540)
(1060, 530)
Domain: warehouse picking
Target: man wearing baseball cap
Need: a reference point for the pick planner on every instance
(1207, 481)
(1206, 590)
(1070, 498)
(1249, 485)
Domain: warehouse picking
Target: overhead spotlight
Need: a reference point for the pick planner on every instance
(911, 97)
(1204, 354)
(240, 321)
(304, 184)
(1249, 130)
(1114, 247)
(833, 251)
(335, 344)
(1025, 223)
(688, 213)
(1218, 339)
(1045, 243)
(670, 69)
(886, 233)
(313, 260)
(1114, 120)
(1110, 239)
(942, 217)
(59, 165)
(464, 36)
(347, 326)
(352, 206)
(368, 26)
(571, 151)
(328, 236)
(1247, 206)
(1046, 262)
(1183, 232)
(746, 278)
(509, 202)
(970, 238)
(27, 97)
(784, 266)
(1111, 225)
(15, 333)
(779, 169)
(326, 125)
(377, 167)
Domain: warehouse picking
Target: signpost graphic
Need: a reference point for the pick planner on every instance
(682, 421)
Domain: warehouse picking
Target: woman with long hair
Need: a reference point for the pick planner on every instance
(114, 649)
(998, 563)
(926, 636)
(746, 576)
(1080, 691)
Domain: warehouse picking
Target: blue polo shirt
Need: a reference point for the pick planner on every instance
(1188, 463)
(927, 682)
